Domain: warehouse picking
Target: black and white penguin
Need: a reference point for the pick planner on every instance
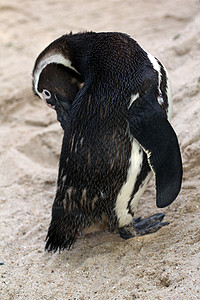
(113, 101)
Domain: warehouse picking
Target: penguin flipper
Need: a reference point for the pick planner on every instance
(151, 129)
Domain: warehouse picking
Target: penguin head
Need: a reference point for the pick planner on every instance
(55, 80)
(58, 85)
(61, 67)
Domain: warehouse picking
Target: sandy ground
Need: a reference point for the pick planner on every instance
(164, 265)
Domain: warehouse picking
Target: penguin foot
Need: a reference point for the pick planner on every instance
(141, 227)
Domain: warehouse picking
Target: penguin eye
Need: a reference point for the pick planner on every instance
(47, 94)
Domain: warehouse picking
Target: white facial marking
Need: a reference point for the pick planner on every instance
(54, 58)
(45, 95)
(124, 195)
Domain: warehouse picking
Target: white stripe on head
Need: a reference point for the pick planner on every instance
(54, 58)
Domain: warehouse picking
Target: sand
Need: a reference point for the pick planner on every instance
(163, 265)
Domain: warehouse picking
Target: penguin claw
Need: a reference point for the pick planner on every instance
(148, 222)
(141, 227)
(151, 229)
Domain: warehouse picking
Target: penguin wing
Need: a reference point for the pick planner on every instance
(151, 129)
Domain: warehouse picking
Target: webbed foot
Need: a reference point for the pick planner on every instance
(141, 227)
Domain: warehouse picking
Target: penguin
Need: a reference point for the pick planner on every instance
(113, 100)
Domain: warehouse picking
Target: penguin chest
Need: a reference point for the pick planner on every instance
(126, 201)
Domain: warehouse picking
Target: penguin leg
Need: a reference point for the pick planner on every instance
(141, 227)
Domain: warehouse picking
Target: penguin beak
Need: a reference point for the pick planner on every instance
(47, 100)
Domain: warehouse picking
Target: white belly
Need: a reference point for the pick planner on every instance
(124, 196)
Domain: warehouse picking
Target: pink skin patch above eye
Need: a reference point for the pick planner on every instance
(45, 98)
